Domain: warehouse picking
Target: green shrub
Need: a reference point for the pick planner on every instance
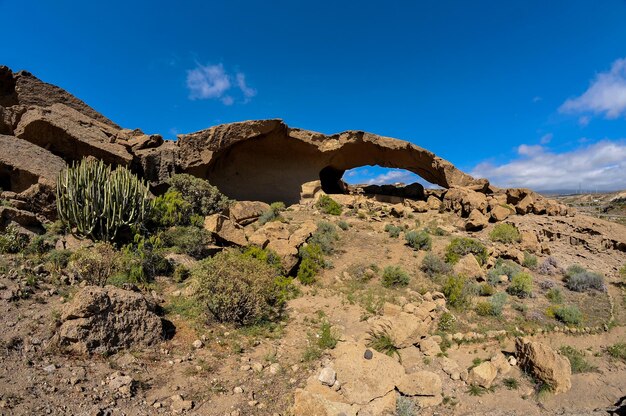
(511, 383)
(382, 341)
(193, 241)
(343, 225)
(328, 205)
(272, 214)
(578, 279)
(462, 246)
(143, 260)
(492, 307)
(576, 360)
(325, 236)
(554, 295)
(181, 273)
(265, 255)
(57, 260)
(505, 233)
(237, 288)
(622, 272)
(418, 240)
(205, 199)
(447, 322)
(395, 276)
(393, 230)
(12, 241)
(618, 351)
(569, 315)
(530, 260)
(312, 261)
(521, 285)
(433, 265)
(171, 209)
(501, 268)
(486, 289)
(457, 291)
(99, 202)
(94, 264)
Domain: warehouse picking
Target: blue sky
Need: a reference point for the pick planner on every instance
(526, 93)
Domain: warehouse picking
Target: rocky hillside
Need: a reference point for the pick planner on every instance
(216, 276)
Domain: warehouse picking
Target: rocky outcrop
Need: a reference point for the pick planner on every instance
(106, 320)
(545, 364)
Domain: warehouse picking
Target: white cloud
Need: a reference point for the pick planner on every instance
(536, 99)
(546, 138)
(584, 121)
(595, 166)
(606, 94)
(214, 82)
(241, 83)
(393, 176)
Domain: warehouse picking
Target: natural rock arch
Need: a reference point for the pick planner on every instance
(266, 160)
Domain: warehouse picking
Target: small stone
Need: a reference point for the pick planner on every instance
(50, 368)
(337, 385)
(327, 376)
(238, 390)
(180, 405)
(274, 368)
(197, 344)
(245, 367)
(512, 361)
(368, 354)
(258, 367)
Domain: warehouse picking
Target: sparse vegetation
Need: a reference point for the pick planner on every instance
(189, 240)
(502, 268)
(382, 341)
(462, 246)
(554, 295)
(12, 241)
(618, 351)
(328, 205)
(325, 236)
(434, 266)
(447, 322)
(272, 214)
(395, 276)
(521, 285)
(505, 233)
(549, 266)
(405, 406)
(361, 272)
(343, 225)
(94, 264)
(393, 230)
(579, 279)
(418, 240)
(510, 383)
(237, 288)
(530, 260)
(493, 306)
(577, 360)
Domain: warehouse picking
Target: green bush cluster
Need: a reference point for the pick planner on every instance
(190, 240)
(447, 322)
(238, 288)
(554, 295)
(530, 260)
(493, 306)
(462, 246)
(393, 230)
(568, 314)
(505, 233)
(457, 291)
(204, 198)
(326, 236)
(100, 203)
(343, 225)
(434, 266)
(12, 241)
(273, 213)
(328, 205)
(311, 262)
(501, 268)
(578, 279)
(395, 276)
(521, 285)
(418, 240)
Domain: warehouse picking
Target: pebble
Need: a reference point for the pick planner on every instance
(238, 390)
(197, 344)
(368, 354)
(327, 376)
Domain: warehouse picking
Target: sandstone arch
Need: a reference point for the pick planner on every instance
(268, 161)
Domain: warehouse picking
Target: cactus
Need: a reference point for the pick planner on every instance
(96, 201)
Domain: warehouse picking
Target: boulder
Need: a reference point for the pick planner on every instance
(501, 363)
(363, 380)
(468, 266)
(247, 212)
(529, 241)
(525, 206)
(476, 221)
(23, 164)
(316, 403)
(451, 368)
(500, 213)
(430, 347)
(404, 328)
(433, 203)
(463, 201)
(224, 230)
(71, 135)
(545, 364)
(420, 383)
(483, 374)
(25, 219)
(104, 320)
